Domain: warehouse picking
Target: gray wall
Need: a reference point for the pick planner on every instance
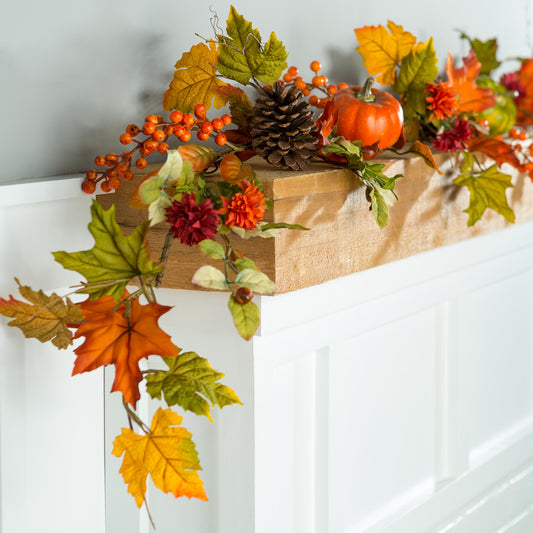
(74, 73)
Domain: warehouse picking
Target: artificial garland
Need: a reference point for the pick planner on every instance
(469, 111)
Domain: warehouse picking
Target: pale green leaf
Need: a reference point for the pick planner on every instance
(245, 262)
(212, 249)
(172, 167)
(245, 317)
(191, 383)
(115, 258)
(157, 210)
(210, 277)
(255, 280)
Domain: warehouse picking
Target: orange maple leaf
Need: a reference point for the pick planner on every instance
(121, 336)
(525, 104)
(463, 80)
(166, 452)
(382, 50)
(499, 151)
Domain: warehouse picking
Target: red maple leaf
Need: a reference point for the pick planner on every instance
(463, 80)
(121, 336)
(499, 151)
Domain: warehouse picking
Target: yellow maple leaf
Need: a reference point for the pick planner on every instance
(195, 80)
(382, 50)
(166, 452)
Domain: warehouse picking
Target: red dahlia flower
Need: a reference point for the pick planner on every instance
(441, 99)
(453, 139)
(511, 81)
(192, 223)
(245, 209)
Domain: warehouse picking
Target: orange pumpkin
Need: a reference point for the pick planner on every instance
(363, 114)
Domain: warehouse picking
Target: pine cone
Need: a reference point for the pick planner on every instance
(283, 126)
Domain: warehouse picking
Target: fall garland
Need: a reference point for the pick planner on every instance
(469, 112)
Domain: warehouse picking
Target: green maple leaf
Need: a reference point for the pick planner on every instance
(241, 55)
(417, 69)
(485, 53)
(115, 258)
(487, 190)
(191, 383)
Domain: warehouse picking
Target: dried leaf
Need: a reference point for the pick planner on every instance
(191, 383)
(240, 105)
(383, 50)
(121, 336)
(200, 157)
(44, 318)
(115, 258)
(425, 153)
(166, 453)
(498, 150)
(233, 170)
(463, 80)
(195, 80)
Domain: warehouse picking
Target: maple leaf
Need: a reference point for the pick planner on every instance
(121, 336)
(166, 453)
(487, 190)
(463, 80)
(241, 55)
(191, 383)
(485, 52)
(240, 105)
(382, 49)
(498, 150)
(195, 80)
(44, 318)
(115, 258)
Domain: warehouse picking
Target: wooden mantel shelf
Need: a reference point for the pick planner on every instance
(343, 237)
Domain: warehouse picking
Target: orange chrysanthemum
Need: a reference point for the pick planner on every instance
(244, 209)
(441, 99)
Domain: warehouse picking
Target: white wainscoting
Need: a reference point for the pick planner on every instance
(395, 400)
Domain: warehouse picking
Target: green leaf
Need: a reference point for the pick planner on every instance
(212, 249)
(282, 225)
(191, 383)
(245, 262)
(210, 277)
(487, 190)
(380, 209)
(485, 53)
(245, 317)
(150, 189)
(417, 69)
(241, 55)
(255, 281)
(157, 211)
(115, 258)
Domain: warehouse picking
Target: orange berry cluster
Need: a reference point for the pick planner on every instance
(157, 132)
(318, 82)
(523, 149)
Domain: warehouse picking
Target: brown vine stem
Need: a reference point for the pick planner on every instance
(163, 259)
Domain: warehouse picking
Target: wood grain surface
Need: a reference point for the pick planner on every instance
(343, 236)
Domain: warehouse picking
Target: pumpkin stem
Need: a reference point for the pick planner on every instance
(365, 94)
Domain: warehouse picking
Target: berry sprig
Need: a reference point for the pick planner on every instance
(318, 82)
(523, 149)
(157, 133)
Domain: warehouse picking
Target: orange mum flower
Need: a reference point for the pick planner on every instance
(441, 99)
(245, 209)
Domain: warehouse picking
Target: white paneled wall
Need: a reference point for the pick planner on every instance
(396, 400)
